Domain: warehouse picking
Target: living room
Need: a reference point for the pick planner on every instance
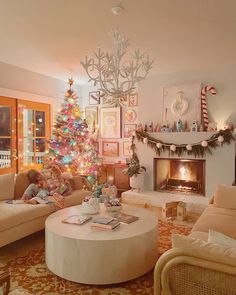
(176, 118)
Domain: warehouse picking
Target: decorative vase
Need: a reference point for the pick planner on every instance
(137, 182)
(91, 206)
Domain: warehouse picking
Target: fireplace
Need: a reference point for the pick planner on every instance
(179, 175)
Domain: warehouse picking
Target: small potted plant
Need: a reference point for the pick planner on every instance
(136, 172)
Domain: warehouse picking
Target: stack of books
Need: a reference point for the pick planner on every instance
(105, 223)
(125, 218)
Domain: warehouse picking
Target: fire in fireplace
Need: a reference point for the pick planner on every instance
(179, 175)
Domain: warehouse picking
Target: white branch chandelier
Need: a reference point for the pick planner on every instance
(117, 78)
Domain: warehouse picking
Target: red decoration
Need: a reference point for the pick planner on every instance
(204, 109)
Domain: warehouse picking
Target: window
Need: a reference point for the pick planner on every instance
(33, 133)
(24, 133)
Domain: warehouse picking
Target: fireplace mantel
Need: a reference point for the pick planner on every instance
(220, 166)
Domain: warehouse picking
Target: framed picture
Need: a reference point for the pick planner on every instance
(130, 115)
(127, 149)
(128, 129)
(181, 101)
(110, 148)
(110, 122)
(91, 117)
(94, 97)
(133, 100)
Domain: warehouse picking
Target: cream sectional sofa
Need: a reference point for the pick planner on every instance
(20, 220)
(195, 265)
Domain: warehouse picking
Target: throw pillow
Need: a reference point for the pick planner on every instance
(7, 186)
(200, 247)
(76, 182)
(220, 239)
(225, 197)
(22, 182)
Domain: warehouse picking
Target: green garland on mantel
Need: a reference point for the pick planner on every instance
(198, 149)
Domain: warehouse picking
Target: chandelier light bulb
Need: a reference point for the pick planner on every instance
(158, 145)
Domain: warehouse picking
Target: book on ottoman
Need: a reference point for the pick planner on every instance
(107, 223)
(125, 218)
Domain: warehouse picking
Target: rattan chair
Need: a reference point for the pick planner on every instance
(182, 271)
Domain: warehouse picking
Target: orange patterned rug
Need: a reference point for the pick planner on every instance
(31, 274)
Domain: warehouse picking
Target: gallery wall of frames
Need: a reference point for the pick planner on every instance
(114, 123)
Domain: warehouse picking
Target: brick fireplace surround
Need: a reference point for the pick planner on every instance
(219, 169)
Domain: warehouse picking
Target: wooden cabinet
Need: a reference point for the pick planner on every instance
(113, 174)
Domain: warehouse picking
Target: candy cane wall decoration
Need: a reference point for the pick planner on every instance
(204, 91)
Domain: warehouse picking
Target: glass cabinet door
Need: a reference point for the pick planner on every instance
(33, 133)
(8, 154)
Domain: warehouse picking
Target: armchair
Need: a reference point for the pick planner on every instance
(186, 271)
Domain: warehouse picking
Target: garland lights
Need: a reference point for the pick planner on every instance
(198, 149)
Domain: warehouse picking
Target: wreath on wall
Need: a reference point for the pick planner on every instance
(198, 149)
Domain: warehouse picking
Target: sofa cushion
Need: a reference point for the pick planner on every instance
(203, 247)
(225, 197)
(220, 239)
(21, 184)
(218, 219)
(15, 214)
(199, 235)
(7, 186)
(76, 182)
(76, 197)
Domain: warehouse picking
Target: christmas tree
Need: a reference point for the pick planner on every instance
(70, 147)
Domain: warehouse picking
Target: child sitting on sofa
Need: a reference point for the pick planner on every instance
(41, 190)
(58, 183)
(37, 187)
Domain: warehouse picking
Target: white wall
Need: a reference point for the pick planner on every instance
(221, 107)
(20, 83)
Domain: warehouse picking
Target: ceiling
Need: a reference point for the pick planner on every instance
(51, 37)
